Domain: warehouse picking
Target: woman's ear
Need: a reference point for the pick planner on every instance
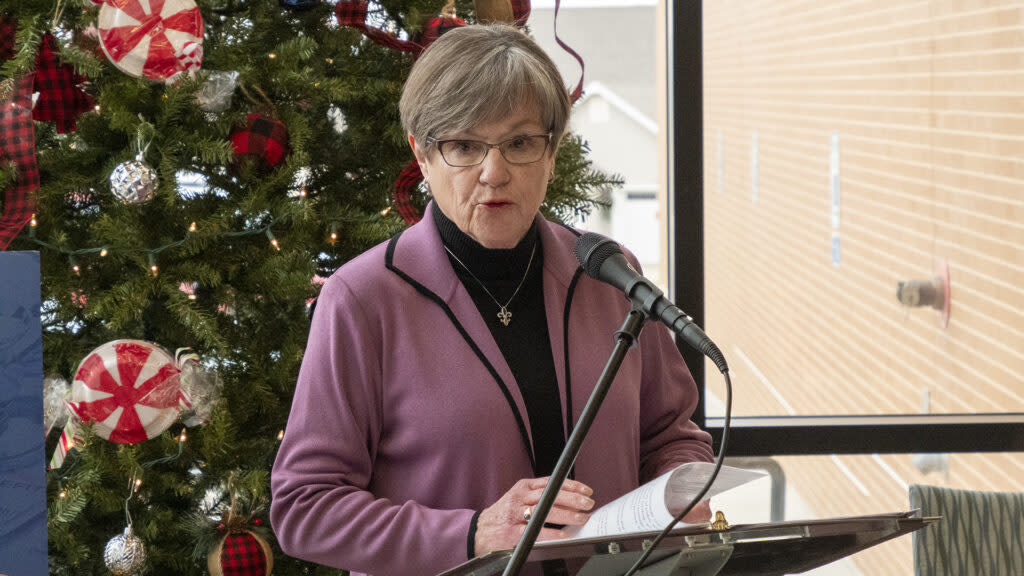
(421, 158)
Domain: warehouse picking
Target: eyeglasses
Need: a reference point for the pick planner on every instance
(516, 150)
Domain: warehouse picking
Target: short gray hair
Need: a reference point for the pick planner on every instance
(478, 74)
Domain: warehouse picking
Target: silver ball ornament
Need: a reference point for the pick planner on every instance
(125, 554)
(133, 182)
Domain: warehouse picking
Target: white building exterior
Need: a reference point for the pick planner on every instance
(616, 115)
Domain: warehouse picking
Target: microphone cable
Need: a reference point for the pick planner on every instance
(707, 485)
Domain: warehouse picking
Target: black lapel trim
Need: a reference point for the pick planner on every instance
(574, 231)
(565, 332)
(389, 263)
(568, 372)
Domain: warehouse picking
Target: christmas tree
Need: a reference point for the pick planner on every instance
(196, 179)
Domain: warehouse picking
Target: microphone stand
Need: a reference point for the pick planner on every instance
(625, 338)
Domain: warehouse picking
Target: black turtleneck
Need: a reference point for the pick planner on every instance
(524, 343)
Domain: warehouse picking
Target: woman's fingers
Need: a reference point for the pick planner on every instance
(568, 485)
(550, 534)
(500, 525)
(572, 503)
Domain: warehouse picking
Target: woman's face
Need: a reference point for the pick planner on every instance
(493, 202)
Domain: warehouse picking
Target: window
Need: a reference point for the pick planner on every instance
(823, 155)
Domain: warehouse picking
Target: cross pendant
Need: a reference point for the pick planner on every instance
(504, 315)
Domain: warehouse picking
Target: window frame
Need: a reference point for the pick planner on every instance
(765, 435)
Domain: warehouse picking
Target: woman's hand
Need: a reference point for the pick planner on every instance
(500, 526)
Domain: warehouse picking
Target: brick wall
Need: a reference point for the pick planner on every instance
(917, 108)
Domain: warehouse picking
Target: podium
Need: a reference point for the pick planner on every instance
(747, 549)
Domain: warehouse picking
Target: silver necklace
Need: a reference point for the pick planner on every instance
(503, 314)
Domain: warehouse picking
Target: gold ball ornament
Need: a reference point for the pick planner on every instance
(488, 11)
(241, 553)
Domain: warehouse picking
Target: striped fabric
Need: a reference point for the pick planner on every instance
(981, 533)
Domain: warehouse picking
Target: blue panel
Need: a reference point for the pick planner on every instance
(22, 457)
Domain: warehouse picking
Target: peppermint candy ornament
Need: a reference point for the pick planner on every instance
(158, 39)
(129, 389)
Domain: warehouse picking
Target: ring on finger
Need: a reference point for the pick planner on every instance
(528, 513)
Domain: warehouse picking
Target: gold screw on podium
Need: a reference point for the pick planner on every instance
(720, 524)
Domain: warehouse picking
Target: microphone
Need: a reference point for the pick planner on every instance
(602, 259)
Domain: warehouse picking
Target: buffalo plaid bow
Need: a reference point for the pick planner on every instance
(407, 181)
(18, 146)
(353, 13)
(8, 28)
(61, 98)
(520, 12)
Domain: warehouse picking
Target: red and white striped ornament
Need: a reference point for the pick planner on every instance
(129, 389)
(158, 39)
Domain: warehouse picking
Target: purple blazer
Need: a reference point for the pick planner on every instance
(406, 418)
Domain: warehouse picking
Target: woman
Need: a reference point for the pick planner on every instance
(446, 367)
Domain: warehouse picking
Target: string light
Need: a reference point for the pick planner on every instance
(280, 435)
(273, 241)
(151, 252)
(97, 108)
(192, 227)
(329, 60)
(271, 55)
(182, 437)
(63, 494)
(74, 265)
(334, 232)
(138, 482)
(385, 211)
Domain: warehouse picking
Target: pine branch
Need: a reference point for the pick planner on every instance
(83, 62)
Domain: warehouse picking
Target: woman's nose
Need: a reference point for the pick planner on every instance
(494, 169)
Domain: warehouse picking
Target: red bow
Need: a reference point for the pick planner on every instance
(404, 185)
(61, 98)
(8, 29)
(520, 12)
(18, 145)
(353, 14)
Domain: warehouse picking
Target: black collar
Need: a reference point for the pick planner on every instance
(487, 263)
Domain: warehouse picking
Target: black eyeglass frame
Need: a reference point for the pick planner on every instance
(431, 141)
